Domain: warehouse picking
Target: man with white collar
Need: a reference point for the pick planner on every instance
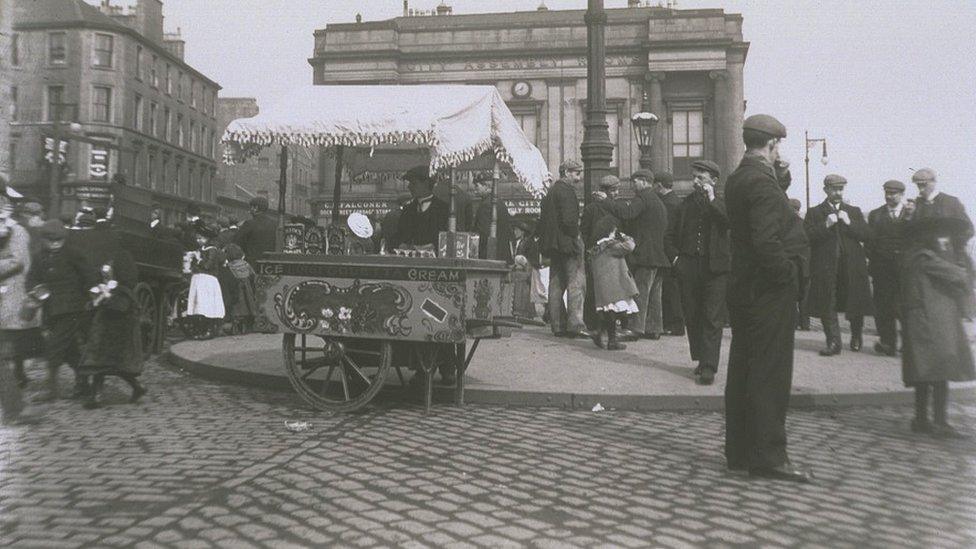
(424, 217)
(838, 267)
(933, 203)
(884, 250)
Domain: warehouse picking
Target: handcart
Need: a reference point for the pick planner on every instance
(352, 322)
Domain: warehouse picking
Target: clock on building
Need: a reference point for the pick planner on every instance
(521, 89)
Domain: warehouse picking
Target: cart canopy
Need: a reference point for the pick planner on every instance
(449, 125)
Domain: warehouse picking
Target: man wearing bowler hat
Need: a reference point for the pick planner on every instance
(885, 246)
(768, 246)
(423, 217)
(699, 236)
(839, 270)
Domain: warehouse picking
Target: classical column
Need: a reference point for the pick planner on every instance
(655, 100)
(597, 149)
(723, 121)
(737, 104)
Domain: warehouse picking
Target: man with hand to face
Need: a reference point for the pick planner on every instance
(839, 274)
(699, 237)
(884, 250)
(933, 203)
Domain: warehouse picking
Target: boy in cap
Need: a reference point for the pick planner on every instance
(560, 241)
(699, 237)
(884, 249)
(839, 271)
(764, 286)
(257, 235)
(68, 275)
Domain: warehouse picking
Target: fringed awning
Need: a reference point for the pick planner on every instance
(455, 124)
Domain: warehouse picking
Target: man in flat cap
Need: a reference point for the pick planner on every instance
(477, 220)
(699, 236)
(646, 219)
(768, 246)
(258, 234)
(933, 203)
(839, 270)
(671, 314)
(884, 247)
(561, 243)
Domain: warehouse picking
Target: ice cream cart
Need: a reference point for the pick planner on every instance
(350, 322)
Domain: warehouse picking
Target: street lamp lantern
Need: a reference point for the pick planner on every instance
(644, 123)
(807, 143)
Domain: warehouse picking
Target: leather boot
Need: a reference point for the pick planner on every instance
(833, 345)
(612, 343)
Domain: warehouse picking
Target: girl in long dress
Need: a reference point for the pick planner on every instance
(614, 288)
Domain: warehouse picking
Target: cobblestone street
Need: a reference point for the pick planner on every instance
(198, 464)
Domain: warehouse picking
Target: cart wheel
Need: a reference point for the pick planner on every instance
(148, 315)
(339, 375)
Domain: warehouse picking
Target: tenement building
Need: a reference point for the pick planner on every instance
(114, 90)
(684, 65)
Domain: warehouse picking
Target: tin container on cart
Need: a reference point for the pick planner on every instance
(351, 322)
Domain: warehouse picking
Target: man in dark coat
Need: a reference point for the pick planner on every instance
(392, 220)
(839, 274)
(258, 234)
(68, 275)
(933, 203)
(646, 219)
(936, 293)
(478, 220)
(671, 312)
(768, 245)
(424, 217)
(885, 248)
(700, 237)
(561, 243)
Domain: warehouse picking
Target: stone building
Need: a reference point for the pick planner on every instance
(115, 86)
(261, 174)
(687, 63)
(6, 44)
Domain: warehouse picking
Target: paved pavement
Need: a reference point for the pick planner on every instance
(536, 369)
(201, 464)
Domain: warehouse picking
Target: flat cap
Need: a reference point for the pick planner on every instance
(707, 166)
(765, 124)
(417, 173)
(53, 229)
(570, 165)
(924, 174)
(609, 182)
(795, 204)
(665, 179)
(894, 185)
(645, 174)
(834, 180)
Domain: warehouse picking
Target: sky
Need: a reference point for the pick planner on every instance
(890, 84)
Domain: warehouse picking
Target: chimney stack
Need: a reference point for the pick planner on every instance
(633, 3)
(406, 8)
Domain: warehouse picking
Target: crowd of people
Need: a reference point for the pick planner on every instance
(66, 293)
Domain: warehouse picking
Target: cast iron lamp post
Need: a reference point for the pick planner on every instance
(806, 157)
(597, 149)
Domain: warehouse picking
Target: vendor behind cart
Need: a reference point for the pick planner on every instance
(424, 217)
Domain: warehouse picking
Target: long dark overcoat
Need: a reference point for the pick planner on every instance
(559, 221)
(115, 338)
(934, 297)
(828, 248)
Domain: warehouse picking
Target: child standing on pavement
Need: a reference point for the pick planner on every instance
(205, 298)
(245, 307)
(613, 286)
